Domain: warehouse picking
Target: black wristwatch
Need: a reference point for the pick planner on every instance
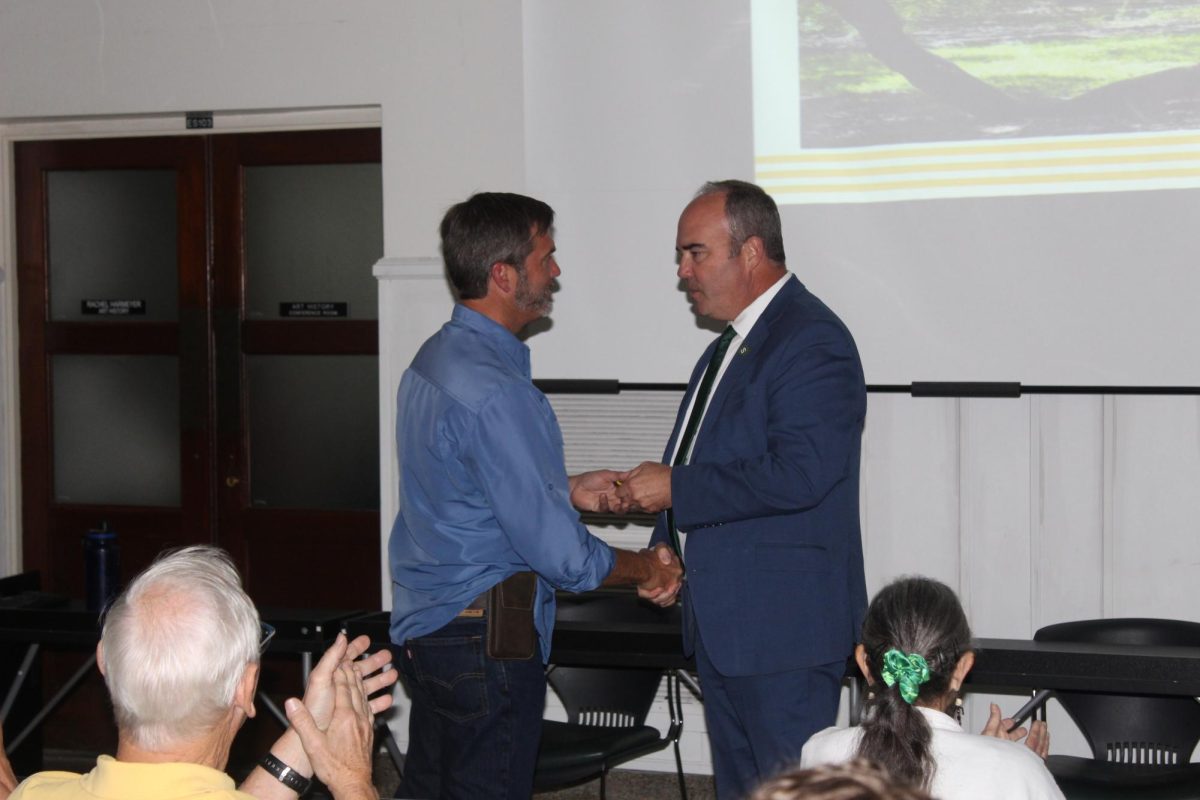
(285, 774)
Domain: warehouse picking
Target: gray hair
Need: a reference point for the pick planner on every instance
(749, 211)
(176, 643)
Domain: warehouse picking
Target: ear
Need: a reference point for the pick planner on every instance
(504, 276)
(860, 658)
(243, 695)
(753, 252)
(965, 662)
(100, 656)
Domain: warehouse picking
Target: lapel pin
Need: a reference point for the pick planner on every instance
(743, 351)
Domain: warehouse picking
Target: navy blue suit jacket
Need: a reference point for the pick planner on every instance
(769, 500)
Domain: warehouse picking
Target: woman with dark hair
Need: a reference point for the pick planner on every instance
(915, 654)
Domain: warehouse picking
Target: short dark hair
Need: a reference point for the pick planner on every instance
(486, 228)
(854, 780)
(912, 615)
(750, 212)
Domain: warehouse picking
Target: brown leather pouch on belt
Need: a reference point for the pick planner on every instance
(510, 632)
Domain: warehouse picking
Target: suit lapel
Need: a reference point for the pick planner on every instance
(742, 359)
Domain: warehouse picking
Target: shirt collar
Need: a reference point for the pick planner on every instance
(939, 720)
(145, 781)
(501, 337)
(744, 322)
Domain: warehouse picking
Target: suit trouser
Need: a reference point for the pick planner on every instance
(758, 724)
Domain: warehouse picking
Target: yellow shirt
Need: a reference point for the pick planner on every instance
(118, 780)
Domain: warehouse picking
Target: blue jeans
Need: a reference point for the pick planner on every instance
(475, 723)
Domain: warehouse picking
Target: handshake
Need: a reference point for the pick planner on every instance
(646, 488)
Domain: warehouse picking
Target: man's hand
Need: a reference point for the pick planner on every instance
(341, 754)
(646, 487)
(319, 694)
(596, 491)
(1039, 734)
(320, 700)
(666, 576)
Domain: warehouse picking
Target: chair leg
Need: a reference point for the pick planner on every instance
(675, 705)
(603, 792)
(679, 772)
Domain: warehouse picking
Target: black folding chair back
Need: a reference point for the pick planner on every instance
(1141, 744)
(606, 724)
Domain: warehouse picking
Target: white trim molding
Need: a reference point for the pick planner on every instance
(414, 300)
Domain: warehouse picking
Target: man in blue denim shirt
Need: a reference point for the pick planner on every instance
(484, 494)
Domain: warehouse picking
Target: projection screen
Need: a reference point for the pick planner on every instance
(984, 190)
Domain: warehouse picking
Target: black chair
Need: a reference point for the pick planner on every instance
(1141, 744)
(606, 724)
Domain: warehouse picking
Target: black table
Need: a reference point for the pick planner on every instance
(1086, 667)
(611, 627)
(614, 628)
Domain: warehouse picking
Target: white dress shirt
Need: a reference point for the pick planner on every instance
(970, 766)
(742, 325)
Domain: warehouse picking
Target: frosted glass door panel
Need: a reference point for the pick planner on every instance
(112, 237)
(313, 233)
(116, 430)
(314, 431)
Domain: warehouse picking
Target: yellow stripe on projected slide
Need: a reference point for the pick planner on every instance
(994, 180)
(973, 169)
(1084, 161)
(957, 148)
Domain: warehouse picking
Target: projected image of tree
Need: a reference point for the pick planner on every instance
(893, 71)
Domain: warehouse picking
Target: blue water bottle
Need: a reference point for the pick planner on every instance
(102, 567)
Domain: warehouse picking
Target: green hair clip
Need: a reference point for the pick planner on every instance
(910, 671)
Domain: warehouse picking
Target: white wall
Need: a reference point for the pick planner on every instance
(447, 76)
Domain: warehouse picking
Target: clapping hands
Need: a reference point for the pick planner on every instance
(340, 753)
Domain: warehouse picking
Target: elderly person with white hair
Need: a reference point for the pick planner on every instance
(180, 653)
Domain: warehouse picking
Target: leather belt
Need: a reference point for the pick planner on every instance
(476, 607)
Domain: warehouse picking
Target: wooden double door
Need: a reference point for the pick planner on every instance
(198, 356)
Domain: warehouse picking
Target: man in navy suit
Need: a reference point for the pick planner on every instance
(764, 496)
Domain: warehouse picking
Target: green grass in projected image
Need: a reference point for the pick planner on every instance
(1047, 68)
(886, 100)
(879, 71)
(1054, 68)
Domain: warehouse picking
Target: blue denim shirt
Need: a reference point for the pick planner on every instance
(483, 488)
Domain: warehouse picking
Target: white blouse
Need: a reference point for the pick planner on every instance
(969, 766)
